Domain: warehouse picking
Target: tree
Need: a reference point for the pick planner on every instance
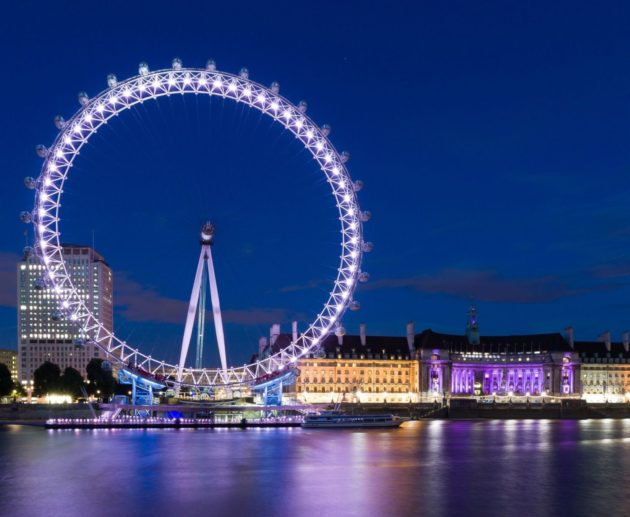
(6, 383)
(72, 382)
(47, 378)
(100, 379)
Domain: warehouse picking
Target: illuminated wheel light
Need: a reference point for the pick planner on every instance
(264, 99)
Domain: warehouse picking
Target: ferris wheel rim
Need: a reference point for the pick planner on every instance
(124, 95)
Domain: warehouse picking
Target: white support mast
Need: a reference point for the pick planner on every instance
(205, 260)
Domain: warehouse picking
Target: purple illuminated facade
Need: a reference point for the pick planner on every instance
(474, 365)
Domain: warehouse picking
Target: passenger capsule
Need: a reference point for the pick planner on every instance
(355, 305)
(358, 185)
(365, 216)
(211, 65)
(143, 68)
(39, 284)
(41, 150)
(60, 122)
(244, 73)
(340, 331)
(26, 217)
(112, 81)
(79, 344)
(367, 247)
(56, 315)
(177, 64)
(27, 251)
(106, 366)
(275, 87)
(364, 277)
(302, 106)
(345, 156)
(30, 182)
(326, 130)
(83, 98)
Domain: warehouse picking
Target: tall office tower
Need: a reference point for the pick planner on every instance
(43, 333)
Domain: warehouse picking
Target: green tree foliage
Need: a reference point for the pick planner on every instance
(100, 379)
(47, 379)
(6, 383)
(71, 382)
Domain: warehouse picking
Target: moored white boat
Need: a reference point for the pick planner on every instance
(337, 420)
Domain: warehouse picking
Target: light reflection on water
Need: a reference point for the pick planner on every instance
(432, 468)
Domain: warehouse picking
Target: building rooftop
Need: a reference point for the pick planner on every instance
(593, 349)
(375, 347)
(522, 343)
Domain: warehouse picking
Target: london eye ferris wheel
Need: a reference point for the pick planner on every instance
(148, 85)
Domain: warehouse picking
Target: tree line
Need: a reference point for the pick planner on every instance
(49, 378)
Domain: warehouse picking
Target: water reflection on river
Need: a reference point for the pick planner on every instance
(508, 468)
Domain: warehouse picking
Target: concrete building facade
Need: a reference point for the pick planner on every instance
(43, 333)
(10, 359)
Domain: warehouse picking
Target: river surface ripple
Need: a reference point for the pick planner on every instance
(430, 468)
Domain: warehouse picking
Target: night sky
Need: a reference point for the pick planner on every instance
(492, 138)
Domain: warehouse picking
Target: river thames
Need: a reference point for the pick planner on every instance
(432, 468)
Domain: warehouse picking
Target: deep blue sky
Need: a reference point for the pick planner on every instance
(491, 136)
